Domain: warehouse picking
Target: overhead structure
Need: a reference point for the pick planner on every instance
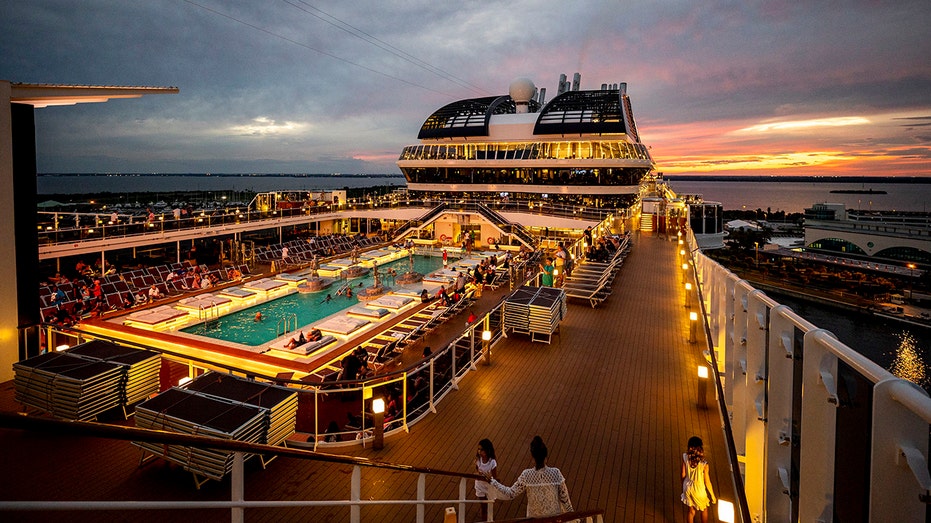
(19, 316)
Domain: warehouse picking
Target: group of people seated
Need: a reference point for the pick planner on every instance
(603, 249)
(313, 335)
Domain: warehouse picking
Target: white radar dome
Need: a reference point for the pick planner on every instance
(522, 90)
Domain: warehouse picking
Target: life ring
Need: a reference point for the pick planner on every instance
(491, 241)
(442, 237)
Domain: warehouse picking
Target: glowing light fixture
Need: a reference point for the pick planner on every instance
(702, 387)
(693, 322)
(486, 335)
(725, 511)
(185, 380)
(378, 422)
(62, 347)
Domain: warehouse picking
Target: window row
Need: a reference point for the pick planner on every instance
(542, 176)
(528, 151)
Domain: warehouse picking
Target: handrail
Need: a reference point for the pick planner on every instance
(586, 515)
(20, 421)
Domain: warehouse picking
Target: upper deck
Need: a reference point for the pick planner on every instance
(613, 396)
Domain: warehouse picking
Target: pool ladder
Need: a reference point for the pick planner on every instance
(286, 324)
(209, 315)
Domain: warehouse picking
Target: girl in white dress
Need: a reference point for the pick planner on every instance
(697, 493)
(486, 465)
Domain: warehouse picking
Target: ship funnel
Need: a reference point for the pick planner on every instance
(623, 88)
(576, 79)
(604, 87)
(542, 97)
(562, 84)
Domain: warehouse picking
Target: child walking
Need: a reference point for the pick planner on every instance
(487, 466)
(697, 493)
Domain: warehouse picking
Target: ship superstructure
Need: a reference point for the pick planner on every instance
(581, 147)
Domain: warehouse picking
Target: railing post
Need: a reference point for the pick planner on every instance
(421, 493)
(237, 514)
(355, 494)
(432, 369)
(463, 492)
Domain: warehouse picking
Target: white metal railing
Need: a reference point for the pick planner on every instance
(791, 391)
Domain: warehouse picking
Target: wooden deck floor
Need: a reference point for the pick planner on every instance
(613, 396)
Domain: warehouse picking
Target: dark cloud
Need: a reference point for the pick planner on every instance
(358, 78)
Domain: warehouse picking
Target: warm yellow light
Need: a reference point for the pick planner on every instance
(62, 347)
(184, 381)
(682, 252)
(688, 287)
(685, 266)
(486, 335)
(555, 272)
(702, 372)
(90, 231)
(725, 511)
(693, 316)
(378, 405)
(679, 233)
(681, 242)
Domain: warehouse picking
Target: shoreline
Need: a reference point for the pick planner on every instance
(838, 302)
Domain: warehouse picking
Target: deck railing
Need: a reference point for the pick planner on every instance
(820, 432)
(237, 504)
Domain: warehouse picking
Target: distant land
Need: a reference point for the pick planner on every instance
(807, 179)
(236, 175)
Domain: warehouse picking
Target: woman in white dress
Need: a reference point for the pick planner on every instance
(547, 494)
(697, 493)
(486, 465)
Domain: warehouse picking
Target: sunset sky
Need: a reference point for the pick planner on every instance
(288, 86)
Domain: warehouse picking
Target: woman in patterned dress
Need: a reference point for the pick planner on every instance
(547, 494)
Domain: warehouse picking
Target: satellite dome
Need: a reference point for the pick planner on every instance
(522, 90)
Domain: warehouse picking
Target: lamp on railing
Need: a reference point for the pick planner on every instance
(378, 420)
(486, 339)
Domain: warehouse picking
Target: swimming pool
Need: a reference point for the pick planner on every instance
(298, 309)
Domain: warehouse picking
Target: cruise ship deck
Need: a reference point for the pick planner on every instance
(614, 396)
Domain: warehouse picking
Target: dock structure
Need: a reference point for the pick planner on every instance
(614, 396)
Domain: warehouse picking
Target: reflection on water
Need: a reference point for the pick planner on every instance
(907, 362)
(902, 349)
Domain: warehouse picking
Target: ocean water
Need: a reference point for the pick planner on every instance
(794, 197)
(901, 348)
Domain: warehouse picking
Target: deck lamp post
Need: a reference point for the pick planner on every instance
(378, 420)
(688, 294)
(486, 352)
(685, 271)
(702, 387)
(693, 323)
(725, 511)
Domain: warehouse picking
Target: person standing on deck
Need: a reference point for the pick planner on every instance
(547, 494)
(697, 493)
(548, 270)
(486, 465)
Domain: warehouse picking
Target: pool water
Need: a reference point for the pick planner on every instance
(299, 309)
